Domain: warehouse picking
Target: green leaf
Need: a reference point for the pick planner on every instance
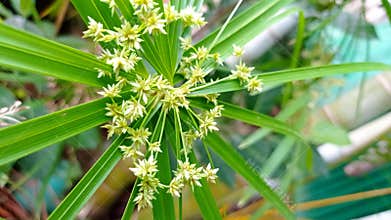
(163, 205)
(256, 14)
(278, 156)
(32, 135)
(50, 49)
(387, 7)
(23, 7)
(126, 8)
(283, 76)
(257, 119)
(240, 165)
(156, 52)
(290, 109)
(97, 10)
(87, 140)
(202, 194)
(337, 183)
(29, 61)
(30, 53)
(325, 131)
(204, 197)
(4, 11)
(85, 188)
(100, 12)
(320, 71)
(299, 40)
(130, 205)
(254, 28)
(249, 117)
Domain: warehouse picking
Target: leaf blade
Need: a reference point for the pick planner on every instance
(20, 39)
(126, 8)
(84, 189)
(387, 8)
(29, 61)
(239, 22)
(163, 205)
(283, 76)
(204, 197)
(250, 117)
(234, 160)
(22, 139)
(97, 10)
(254, 28)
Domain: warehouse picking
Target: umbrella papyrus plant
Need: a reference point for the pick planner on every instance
(159, 91)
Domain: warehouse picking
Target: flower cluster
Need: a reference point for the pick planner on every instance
(243, 73)
(140, 103)
(188, 173)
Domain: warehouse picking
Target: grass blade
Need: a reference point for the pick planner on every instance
(32, 135)
(240, 165)
(80, 194)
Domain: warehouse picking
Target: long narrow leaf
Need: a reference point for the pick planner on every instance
(245, 18)
(319, 71)
(204, 197)
(97, 10)
(80, 194)
(250, 117)
(257, 119)
(387, 7)
(163, 205)
(283, 76)
(298, 40)
(126, 8)
(278, 156)
(30, 136)
(47, 48)
(290, 109)
(127, 214)
(30, 61)
(240, 165)
(253, 29)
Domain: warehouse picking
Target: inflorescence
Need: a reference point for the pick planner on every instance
(130, 114)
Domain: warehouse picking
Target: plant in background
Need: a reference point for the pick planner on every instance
(160, 94)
